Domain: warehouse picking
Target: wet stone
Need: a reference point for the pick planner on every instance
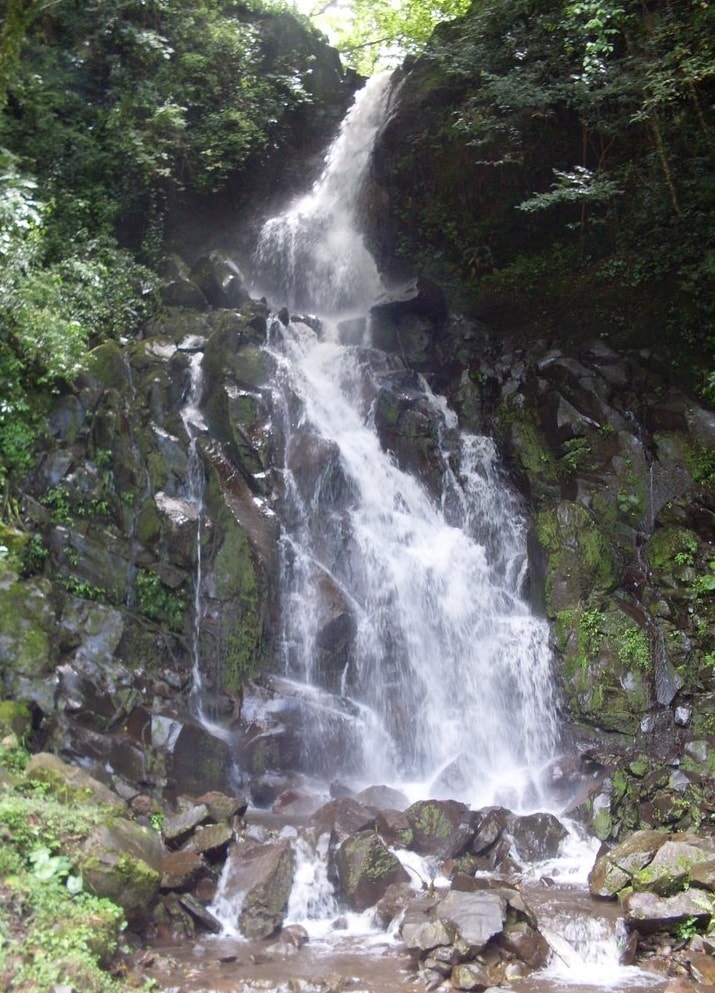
(222, 807)
(211, 840)
(181, 870)
(475, 917)
(177, 828)
(200, 914)
(537, 836)
(421, 934)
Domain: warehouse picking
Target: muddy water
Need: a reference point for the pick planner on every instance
(376, 962)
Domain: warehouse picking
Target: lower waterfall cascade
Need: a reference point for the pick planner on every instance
(438, 681)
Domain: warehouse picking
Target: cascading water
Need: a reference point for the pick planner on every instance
(406, 635)
(444, 667)
(194, 424)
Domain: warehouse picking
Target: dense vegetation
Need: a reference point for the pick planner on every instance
(563, 153)
(114, 112)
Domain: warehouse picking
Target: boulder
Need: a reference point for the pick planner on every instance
(443, 828)
(343, 818)
(489, 824)
(365, 869)
(220, 280)
(258, 881)
(614, 870)
(181, 870)
(198, 760)
(68, 782)
(122, 860)
(178, 828)
(422, 933)
(470, 976)
(650, 912)
(475, 918)
(222, 807)
(527, 944)
(537, 836)
(671, 868)
(212, 840)
(382, 797)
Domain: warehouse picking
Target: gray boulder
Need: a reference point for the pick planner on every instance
(366, 868)
(259, 881)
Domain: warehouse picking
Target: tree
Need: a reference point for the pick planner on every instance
(373, 34)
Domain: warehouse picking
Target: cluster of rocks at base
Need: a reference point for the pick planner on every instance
(468, 924)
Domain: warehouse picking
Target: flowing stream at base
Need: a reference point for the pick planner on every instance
(434, 675)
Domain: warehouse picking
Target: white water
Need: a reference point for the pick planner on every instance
(444, 684)
(448, 667)
(194, 425)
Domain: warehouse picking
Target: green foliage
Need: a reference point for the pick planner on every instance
(586, 124)
(14, 759)
(84, 589)
(634, 650)
(53, 933)
(376, 34)
(687, 929)
(705, 584)
(157, 601)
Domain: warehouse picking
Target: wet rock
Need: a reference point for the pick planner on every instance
(200, 914)
(365, 869)
(527, 944)
(212, 840)
(67, 781)
(382, 797)
(396, 899)
(489, 824)
(422, 933)
(28, 640)
(537, 836)
(442, 828)
(702, 968)
(183, 292)
(222, 807)
(220, 280)
(474, 917)
(197, 760)
(394, 827)
(258, 884)
(703, 874)
(614, 870)
(181, 870)
(177, 828)
(671, 868)
(650, 912)
(343, 818)
(470, 976)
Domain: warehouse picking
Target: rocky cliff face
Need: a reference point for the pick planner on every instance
(133, 582)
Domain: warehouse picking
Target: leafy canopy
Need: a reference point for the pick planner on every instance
(377, 34)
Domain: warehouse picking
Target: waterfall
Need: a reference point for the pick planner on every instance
(194, 424)
(403, 601)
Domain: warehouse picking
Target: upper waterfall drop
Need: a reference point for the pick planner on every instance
(313, 257)
(402, 595)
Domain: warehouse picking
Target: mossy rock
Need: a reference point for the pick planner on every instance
(107, 369)
(70, 784)
(15, 718)
(580, 562)
(366, 868)
(122, 862)
(13, 545)
(28, 640)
